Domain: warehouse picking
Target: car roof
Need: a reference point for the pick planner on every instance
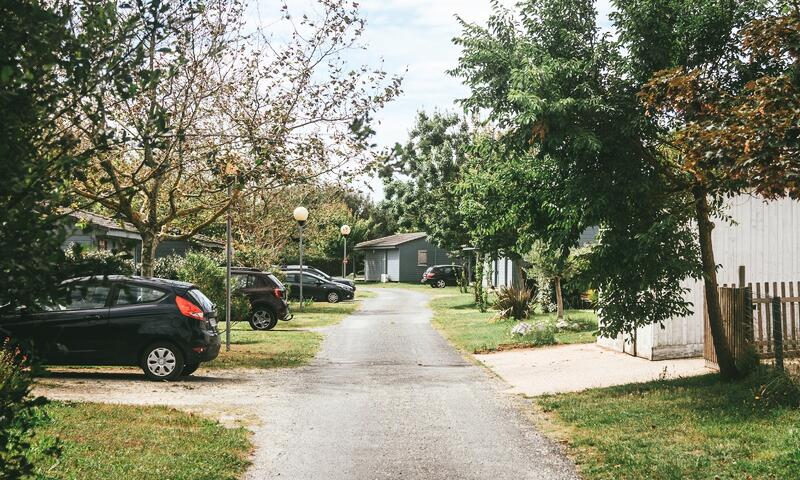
(250, 270)
(439, 266)
(132, 278)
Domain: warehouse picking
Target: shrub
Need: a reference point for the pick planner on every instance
(775, 388)
(514, 303)
(169, 266)
(80, 262)
(20, 414)
(208, 275)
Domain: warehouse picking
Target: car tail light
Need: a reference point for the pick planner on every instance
(278, 293)
(189, 309)
(429, 276)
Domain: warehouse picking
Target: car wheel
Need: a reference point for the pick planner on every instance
(333, 297)
(162, 361)
(440, 283)
(263, 319)
(189, 369)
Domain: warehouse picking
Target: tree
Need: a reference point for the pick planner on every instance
(213, 111)
(558, 95)
(555, 265)
(420, 178)
(55, 61)
(733, 131)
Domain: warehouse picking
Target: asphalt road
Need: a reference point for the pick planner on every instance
(388, 398)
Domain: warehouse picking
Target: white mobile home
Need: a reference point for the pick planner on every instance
(765, 239)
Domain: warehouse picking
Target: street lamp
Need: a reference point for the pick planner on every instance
(345, 230)
(301, 215)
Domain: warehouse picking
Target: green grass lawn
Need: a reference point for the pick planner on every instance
(102, 441)
(289, 344)
(456, 316)
(695, 428)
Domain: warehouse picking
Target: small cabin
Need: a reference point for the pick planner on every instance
(403, 257)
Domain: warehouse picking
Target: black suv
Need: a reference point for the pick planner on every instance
(320, 273)
(164, 326)
(317, 288)
(439, 276)
(266, 294)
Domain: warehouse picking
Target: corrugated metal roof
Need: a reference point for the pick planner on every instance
(391, 241)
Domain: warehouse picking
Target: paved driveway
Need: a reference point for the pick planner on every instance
(389, 398)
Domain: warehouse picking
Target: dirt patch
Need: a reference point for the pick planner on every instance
(234, 397)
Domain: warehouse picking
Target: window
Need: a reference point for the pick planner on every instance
(102, 244)
(83, 297)
(135, 294)
(309, 280)
(244, 281)
(447, 270)
(422, 258)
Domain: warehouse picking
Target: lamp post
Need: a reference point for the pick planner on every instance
(345, 231)
(301, 215)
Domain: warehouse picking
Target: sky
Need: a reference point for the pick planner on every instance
(414, 38)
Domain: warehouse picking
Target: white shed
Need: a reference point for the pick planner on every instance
(765, 239)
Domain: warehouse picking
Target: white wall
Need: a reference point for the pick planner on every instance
(765, 239)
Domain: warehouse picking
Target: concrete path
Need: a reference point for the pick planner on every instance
(572, 368)
(389, 398)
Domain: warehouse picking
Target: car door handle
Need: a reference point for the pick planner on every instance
(94, 317)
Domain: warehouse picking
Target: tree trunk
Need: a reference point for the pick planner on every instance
(478, 290)
(149, 245)
(559, 299)
(727, 365)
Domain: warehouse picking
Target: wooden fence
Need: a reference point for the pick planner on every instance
(790, 317)
(747, 319)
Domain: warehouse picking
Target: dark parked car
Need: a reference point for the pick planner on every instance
(317, 288)
(164, 326)
(266, 294)
(439, 276)
(320, 273)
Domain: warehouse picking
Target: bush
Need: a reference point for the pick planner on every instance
(168, 267)
(80, 262)
(208, 275)
(19, 416)
(514, 303)
(775, 388)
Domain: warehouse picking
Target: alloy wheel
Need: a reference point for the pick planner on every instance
(333, 297)
(261, 319)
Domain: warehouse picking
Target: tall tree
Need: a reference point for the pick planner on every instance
(734, 130)
(569, 154)
(55, 62)
(420, 178)
(214, 110)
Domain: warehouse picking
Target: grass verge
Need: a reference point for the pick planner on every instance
(697, 427)
(469, 329)
(102, 441)
(289, 344)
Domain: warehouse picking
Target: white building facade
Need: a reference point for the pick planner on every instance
(764, 238)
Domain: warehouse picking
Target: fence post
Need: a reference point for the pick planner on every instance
(777, 332)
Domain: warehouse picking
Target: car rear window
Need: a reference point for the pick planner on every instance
(205, 303)
(277, 283)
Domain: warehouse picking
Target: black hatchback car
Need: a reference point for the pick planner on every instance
(317, 288)
(439, 276)
(165, 327)
(266, 294)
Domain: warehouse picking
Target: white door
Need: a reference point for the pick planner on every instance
(373, 266)
(393, 265)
